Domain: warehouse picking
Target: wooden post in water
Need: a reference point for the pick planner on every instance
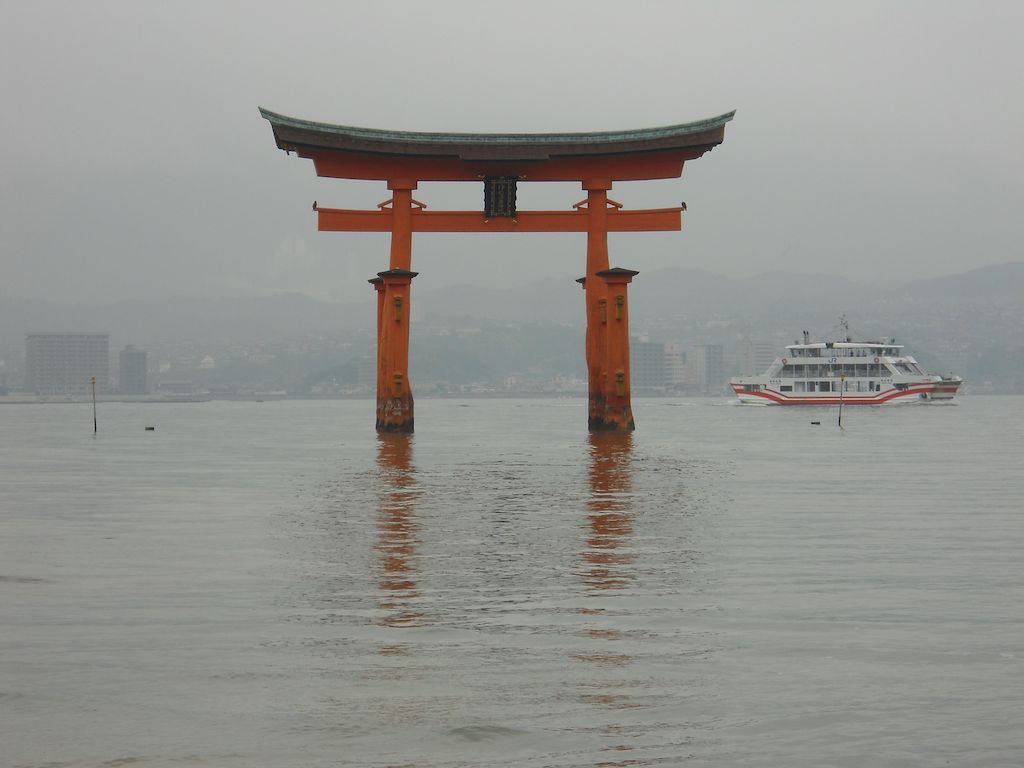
(842, 385)
(92, 380)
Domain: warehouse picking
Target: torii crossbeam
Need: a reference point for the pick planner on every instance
(500, 162)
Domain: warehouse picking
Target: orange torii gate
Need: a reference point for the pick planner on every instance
(500, 161)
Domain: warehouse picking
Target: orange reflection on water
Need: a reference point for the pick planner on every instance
(610, 516)
(396, 532)
(608, 566)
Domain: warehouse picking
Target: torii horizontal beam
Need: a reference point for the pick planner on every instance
(649, 220)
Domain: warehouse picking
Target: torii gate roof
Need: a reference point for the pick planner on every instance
(321, 140)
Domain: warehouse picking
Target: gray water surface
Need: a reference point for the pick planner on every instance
(272, 584)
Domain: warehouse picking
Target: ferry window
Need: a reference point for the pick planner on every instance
(786, 388)
(824, 386)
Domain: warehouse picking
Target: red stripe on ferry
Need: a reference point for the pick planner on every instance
(781, 399)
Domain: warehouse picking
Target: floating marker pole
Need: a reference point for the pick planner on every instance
(92, 380)
(842, 383)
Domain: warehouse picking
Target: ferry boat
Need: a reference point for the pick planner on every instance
(847, 372)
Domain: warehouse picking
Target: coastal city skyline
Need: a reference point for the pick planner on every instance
(967, 324)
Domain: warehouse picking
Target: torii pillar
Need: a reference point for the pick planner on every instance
(597, 300)
(394, 392)
(378, 287)
(500, 161)
(617, 412)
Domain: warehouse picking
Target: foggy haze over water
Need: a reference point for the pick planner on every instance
(871, 139)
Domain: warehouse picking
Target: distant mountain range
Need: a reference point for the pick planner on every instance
(787, 299)
(1000, 283)
(694, 293)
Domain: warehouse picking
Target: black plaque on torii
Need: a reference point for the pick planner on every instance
(500, 197)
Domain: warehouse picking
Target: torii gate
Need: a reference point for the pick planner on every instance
(499, 161)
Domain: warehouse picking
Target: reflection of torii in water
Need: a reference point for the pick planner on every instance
(396, 527)
(610, 515)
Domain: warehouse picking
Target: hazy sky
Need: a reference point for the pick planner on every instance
(872, 139)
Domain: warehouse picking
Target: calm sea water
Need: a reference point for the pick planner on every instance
(272, 584)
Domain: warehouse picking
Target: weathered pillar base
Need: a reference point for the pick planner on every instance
(395, 414)
(607, 415)
(613, 420)
(595, 407)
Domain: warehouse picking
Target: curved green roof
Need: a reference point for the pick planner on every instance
(291, 132)
(597, 137)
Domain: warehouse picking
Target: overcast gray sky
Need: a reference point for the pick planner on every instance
(873, 140)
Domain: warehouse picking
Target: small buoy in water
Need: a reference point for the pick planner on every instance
(150, 429)
(816, 422)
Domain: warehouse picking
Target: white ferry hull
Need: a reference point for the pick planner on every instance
(912, 394)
